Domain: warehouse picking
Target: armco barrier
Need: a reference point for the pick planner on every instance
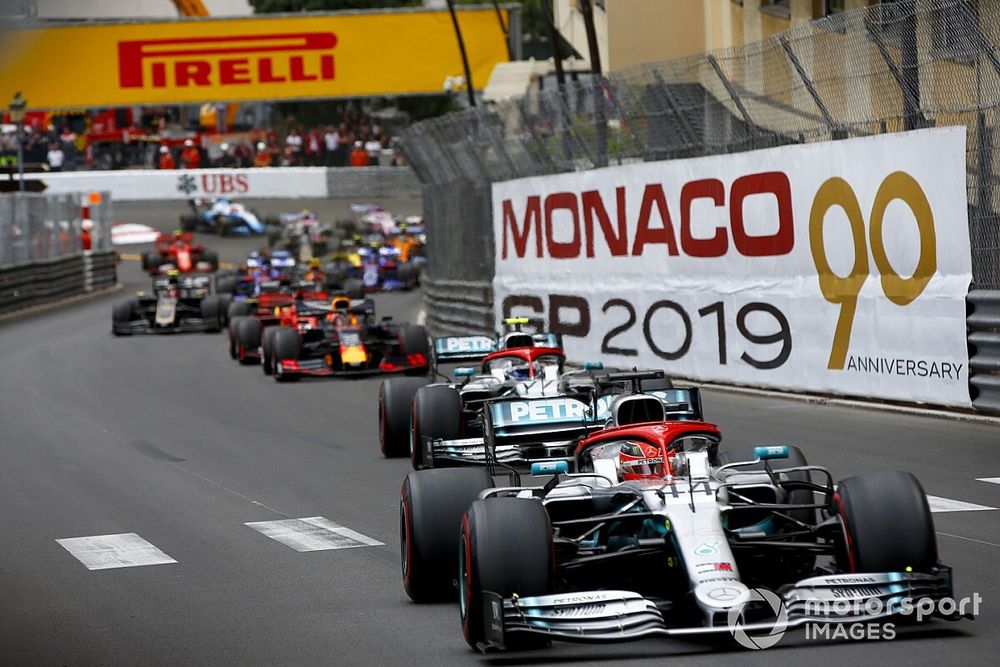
(458, 307)
(984, 349)
(32, 284)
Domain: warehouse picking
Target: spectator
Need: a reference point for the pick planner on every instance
(190, 156)
(243, 155)
(263, 156)
(226, 158)
(359, 156)
(331, 145)
(55, 158)
(312, 148)
(167, 158)
(293, 144)
(373, 147)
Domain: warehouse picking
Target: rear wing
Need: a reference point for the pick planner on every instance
(190, 286)
(679, 403)
(451, 349)
(532, 417)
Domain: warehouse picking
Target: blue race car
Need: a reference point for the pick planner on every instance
(223, 217)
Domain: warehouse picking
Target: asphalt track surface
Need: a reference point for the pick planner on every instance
(166, 437)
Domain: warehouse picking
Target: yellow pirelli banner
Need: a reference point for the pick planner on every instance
(257, 58)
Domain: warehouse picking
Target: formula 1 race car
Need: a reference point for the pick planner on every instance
(342, 338)
(179, 303)
(379, 267)
(300, 233)
(222, 217)
(179, 252)
(661, 533)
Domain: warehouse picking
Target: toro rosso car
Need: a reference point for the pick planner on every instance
(661, 533)
(178, 303)
(221, 216)
(179, 253)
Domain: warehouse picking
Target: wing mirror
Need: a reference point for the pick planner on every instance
(464, 372)
(766, 453)
(593, 365)
(549, 468)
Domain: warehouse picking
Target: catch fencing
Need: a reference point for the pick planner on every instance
(884, 68)
(42, 255)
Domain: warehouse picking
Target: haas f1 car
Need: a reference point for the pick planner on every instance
(661, 533)
(178, 303)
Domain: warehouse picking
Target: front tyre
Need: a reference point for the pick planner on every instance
(506, 548)
(887, 523)
(430, 514)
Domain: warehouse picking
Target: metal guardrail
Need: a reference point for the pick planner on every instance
(458, 307)
(36, 227)
(35, 283)
(984, 349)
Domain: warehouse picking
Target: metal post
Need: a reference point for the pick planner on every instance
(597, 89)
(807, 82)
(732, 93)
(465, 57)
(20, 155)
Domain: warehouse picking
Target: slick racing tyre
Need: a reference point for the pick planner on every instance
(122, 314)
(412, 341)
(354, 289)
(887, 523)
(151, 262)
(437, 413)
(224, 302)
(287, 345)
(212, 258)
(267, 349)
(407, 274)
(238, 308)
(189, 222)
(247, 339)
(395, 402)
(430, 515)
(506, 548)
(211, 313)
(225, 284)
(231, 334)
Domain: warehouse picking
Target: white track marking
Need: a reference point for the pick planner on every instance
(970, 539)
(313, 534)
(106, 552)
(948, 505)
(421, 316)
(989, 480)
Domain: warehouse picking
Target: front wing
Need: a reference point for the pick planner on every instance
(615, 616)
(472, 451)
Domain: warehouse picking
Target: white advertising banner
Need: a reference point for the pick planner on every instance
(156, 184)
(838, 267)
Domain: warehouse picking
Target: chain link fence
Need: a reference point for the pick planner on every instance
(36, 227)
(885, 68)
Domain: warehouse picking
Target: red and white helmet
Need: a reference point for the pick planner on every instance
(641, 460)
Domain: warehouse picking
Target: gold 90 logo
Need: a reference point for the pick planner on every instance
(844, 290)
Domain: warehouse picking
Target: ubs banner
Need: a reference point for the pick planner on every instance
(835, 267)
(259, 58)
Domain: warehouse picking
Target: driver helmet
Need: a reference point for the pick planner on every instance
(178, 233)
(222, 201)
(172, 277)
(522, 370)
(641, 460)
(314, 263)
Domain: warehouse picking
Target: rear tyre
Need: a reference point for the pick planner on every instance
(354, 289)
(407, 275)
(413, 340)
(189, 222)
(287, 345)
(212, 258)
(232, 335)
(224, 302)
(237, 308)
(887, 523)
(395, 402)
(211, 313)
(506, 548)
(152, 260)
(437, 413)
(430, 513)
(267, 350)
(247, 339)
